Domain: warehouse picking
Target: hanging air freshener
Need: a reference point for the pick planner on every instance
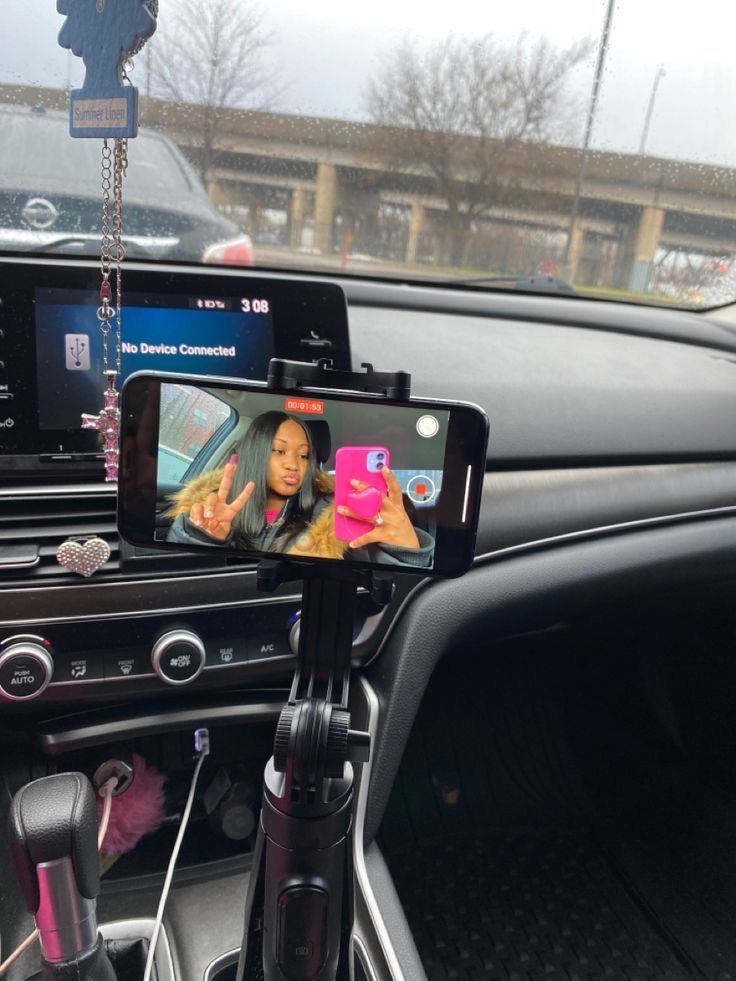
(107, 34)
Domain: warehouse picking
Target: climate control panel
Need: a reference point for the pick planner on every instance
(112, 657)
(107, 658)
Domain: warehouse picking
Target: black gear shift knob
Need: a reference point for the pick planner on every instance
(53, 841)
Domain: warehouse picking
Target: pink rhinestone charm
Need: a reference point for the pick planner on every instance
(107, 423)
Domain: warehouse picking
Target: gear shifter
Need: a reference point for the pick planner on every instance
(53, 841)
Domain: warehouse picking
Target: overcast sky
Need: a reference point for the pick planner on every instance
(330, 47)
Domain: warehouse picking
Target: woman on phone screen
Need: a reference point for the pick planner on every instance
(272, 497)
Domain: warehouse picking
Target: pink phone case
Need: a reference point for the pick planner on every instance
(351, 463)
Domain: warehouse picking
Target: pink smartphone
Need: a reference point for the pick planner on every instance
(363, 463)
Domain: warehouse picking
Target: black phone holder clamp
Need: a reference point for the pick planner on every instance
(321, 374)
(300, 902)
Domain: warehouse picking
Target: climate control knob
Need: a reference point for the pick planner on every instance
(26, 667)
(178, 656)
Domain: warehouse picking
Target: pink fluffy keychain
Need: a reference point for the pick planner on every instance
(137, 812)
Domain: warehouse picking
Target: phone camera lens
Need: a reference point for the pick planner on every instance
(380, 466)
(381, 456)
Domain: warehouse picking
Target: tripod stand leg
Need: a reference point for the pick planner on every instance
(299, 904)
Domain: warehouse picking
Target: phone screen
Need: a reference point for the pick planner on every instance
(212, 464)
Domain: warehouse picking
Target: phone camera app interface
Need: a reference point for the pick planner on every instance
(298, 475)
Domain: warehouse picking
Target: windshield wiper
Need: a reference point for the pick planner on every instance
(89, 245)
(529, 284)
(64, 242)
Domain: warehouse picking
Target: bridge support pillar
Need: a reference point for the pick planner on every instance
(645, 247)
(417, 223)
(221, 194)
(575, 252)
(297, 213)
(325, 201)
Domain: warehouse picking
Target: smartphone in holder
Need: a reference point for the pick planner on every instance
(318, 476)
(359, 486)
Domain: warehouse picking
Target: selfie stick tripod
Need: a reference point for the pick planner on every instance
(299, 904)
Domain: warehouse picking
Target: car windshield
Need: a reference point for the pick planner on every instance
(571, 147)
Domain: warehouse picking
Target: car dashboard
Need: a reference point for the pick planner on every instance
(609, 486)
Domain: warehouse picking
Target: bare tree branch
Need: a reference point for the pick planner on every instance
(459, 111)
(213, 53)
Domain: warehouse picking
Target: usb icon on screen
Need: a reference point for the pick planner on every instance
(76, 347)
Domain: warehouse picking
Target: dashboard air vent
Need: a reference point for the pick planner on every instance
(33, 525)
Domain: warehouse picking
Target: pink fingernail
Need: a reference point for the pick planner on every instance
(234, 458)
(351, 544)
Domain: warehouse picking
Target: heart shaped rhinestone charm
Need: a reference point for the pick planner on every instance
(83, 557)
(366, 503)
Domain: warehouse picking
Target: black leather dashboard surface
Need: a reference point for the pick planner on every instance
(559, 394)
(525, 506)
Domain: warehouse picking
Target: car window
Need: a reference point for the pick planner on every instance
(551, 148)
(189, 419)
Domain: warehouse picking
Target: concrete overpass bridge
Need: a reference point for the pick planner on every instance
(330, 175)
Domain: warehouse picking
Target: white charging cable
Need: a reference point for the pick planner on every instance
(202, 747)
(105, 792)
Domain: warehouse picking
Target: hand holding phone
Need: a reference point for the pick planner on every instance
(391, 525)
(214, 515)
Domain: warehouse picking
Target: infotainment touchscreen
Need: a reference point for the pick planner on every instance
(209, 322)
(204, 335)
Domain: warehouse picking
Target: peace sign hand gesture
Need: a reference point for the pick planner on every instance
(214, 516)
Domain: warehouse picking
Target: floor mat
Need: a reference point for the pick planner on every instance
(527, 906)
(541, 826)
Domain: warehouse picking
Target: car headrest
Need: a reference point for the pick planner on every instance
(319, 430)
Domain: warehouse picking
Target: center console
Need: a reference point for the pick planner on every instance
(151, 646)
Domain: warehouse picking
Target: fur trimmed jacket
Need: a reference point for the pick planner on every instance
(318, 539)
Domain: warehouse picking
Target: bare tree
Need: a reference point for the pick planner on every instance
(213, 53)
(463, 109)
